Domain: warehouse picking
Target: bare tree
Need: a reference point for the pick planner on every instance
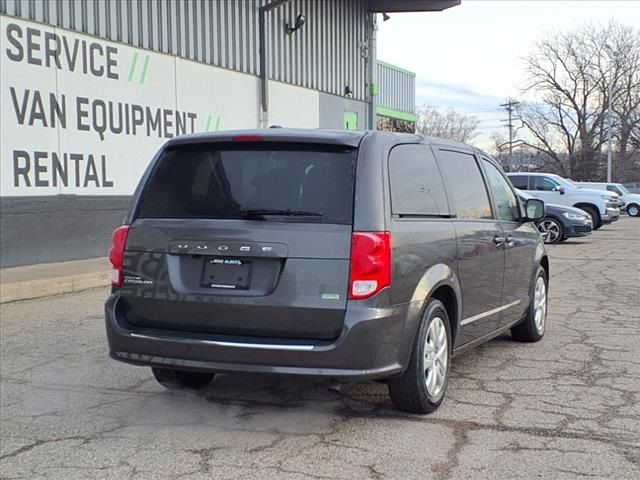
(450, 124)
(623, 45)
(570, 74)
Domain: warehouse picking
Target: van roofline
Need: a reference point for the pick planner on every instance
(350, 138)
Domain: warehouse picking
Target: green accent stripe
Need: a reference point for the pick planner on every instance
(208, 124)
(144, 69)
(132, 69)
(397, 114)
(398, 69)
(217, 124)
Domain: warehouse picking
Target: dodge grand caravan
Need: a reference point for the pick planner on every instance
(347, 255)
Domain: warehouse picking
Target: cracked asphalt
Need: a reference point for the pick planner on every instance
(567, 407)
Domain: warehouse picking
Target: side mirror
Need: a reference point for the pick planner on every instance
(561, 190)
(535, 209)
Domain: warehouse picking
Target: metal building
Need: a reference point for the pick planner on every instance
(89, 89)
(396, 99)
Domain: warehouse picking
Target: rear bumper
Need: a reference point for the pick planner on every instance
(371, 345)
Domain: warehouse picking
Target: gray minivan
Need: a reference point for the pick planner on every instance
(347, 255)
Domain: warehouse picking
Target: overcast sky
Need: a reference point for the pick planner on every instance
(470, 56)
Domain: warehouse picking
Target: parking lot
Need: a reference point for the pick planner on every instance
(567, 407)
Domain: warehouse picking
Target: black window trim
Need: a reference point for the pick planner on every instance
(422, 215)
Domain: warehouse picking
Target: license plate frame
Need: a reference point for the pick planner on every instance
(226, 273)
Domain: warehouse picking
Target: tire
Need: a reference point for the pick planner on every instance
(421, 389)
(633, 210)
(179, 379)
(595, 216)
(532, 328)
(553, 228)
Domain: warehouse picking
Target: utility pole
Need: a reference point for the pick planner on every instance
(510, 108)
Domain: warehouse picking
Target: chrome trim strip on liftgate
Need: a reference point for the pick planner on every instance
(263, 346)
(480, 316)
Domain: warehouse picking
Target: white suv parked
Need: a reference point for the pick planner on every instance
(631, 200)
(600, 205)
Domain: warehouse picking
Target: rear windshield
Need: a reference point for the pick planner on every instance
(266, 182)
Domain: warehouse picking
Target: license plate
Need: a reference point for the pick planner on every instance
(228, 273)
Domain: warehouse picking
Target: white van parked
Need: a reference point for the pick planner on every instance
(600, 205)
(631, 200)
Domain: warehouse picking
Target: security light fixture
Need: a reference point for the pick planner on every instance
(300, 19)
(347, 91)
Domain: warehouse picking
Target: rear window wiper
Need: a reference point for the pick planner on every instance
(278, 211)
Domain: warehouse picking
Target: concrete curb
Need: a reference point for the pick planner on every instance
(12, 292)
(55, 279)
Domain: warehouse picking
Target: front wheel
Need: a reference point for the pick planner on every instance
(532, 328)
(552, 228)
(596, 222)
(633, 210)
(179, 379)
(421, 388)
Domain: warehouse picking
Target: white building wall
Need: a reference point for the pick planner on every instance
(114, 110)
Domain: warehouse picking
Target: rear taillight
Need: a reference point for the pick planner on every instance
(370, 264)
(116, 254)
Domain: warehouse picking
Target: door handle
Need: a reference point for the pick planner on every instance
(498, 240)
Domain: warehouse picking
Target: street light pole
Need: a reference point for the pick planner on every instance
(609, 94)
(609, 91)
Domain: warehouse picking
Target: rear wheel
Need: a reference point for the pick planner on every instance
(553, 229)
(595, 216)
(179, 379)
(533, 327)
(422, 386)
(633, 210)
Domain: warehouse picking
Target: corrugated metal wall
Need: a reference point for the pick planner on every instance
(325, 54)
(396, 88)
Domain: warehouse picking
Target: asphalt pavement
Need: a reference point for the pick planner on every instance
(567, 407)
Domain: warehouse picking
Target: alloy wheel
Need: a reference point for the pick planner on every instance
(551, 228)
(633, 210)
(436, 357)
(540, 305)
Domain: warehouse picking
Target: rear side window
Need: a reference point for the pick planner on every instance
(268, 182)
(416, 183)
(520, 181)
(466, 185)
